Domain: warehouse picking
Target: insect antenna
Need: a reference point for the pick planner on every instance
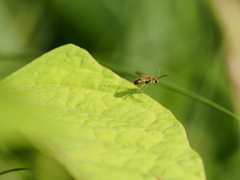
(159, 73)
(161, 76)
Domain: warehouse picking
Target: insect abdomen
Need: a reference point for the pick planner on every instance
(138, 81)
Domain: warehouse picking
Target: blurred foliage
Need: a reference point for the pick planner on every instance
(16, 152)
(181, 36)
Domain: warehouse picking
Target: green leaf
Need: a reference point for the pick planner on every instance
(100, 127)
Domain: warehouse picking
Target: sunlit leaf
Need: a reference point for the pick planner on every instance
(100, 127)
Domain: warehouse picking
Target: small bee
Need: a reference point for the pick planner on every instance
(146, 79)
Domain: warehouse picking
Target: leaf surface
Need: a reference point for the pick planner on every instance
(101, 127)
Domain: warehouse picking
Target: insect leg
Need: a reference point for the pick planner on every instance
(141, 87)
(152, 83)
(145, 87)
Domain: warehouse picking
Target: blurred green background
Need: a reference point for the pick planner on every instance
(182, 36)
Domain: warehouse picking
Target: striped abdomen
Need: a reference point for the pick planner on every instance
(139, 81)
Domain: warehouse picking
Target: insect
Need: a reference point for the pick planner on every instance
(146, 79)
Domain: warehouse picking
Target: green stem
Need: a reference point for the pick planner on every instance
(12, 170)
(199, 98)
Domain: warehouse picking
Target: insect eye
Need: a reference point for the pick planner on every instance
(156, 81)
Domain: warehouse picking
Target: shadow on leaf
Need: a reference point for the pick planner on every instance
(128, 93)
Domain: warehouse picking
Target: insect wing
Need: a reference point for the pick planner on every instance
(141, 74)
